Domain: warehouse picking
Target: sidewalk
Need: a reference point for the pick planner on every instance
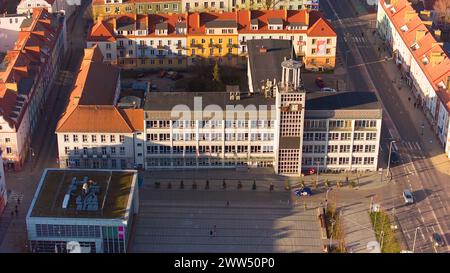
(357, 227)
(429, 140)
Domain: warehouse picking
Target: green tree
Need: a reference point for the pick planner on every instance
(216, 73)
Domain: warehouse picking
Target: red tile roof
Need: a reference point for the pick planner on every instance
(101, 32)
(437, 69)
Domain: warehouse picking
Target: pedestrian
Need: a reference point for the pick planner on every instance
(210, 233)
(18, 200)
(409, 99)
(228, 203)
(12, 213)
(16, 207)
(415, 104)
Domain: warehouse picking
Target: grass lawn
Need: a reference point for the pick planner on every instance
(381, 222)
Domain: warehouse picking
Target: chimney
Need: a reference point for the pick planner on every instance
(436, 58)
(198, 19)
(262, 49)
(409, 15)
(420, 34)
(307, 17)
(425, 13)
(437, 34)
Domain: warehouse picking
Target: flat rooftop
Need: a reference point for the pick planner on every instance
(165, 101)
(115, 190)
(352, 100)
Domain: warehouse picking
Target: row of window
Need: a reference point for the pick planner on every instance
(96, 163)
(94, 150)
(141, 7)
(80, 231)
(209, 124)
(307, 149)
(338, 136)
(314, 161)
(156, 149)
(178, 162)
(93, 138)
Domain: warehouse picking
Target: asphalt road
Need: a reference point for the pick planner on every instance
(429, 214)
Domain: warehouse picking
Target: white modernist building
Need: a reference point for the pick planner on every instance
(67, 6)
(94, 208)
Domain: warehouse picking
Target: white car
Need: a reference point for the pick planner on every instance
(328, 89)
(408, 197)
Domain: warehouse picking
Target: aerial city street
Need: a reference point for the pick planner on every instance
(244, 126)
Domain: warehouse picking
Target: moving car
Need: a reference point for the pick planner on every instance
(319, 82)
(408, 197)
(328, 89)
(306, 191)
(437, 240)
(395, 158)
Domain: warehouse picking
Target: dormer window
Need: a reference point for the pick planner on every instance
(425, 60)
(180, 26)
(415, 46)
(404, 28)
(254, 24)
(275, 23)
(162, 29)
(393, 10)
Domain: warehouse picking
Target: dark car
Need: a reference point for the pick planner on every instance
(437, 240)
(306, 191)
(395, 158)
(319, 82)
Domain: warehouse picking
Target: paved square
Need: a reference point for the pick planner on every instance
(180, 220)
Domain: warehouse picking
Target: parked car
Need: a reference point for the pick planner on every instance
(319, 82)
(408, 197)
(395, 158)
(437, 240)
(328, 89)
(306, 191)
(162, 73)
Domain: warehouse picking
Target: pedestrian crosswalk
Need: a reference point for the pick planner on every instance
(355, 39)
(410, 145)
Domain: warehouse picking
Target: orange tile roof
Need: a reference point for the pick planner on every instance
(436, 73)
(94, 118)
(135, 118)
(321, 28)
(88, 89)
(101, 32)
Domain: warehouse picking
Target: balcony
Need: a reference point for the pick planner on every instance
(243, 42)
(160, 46)
(232, 45)
(142, 46)
(180, 46)
(215, 45)
(120, 47)
(197, 45)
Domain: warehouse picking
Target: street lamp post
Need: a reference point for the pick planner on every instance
(326, 198)
(389, 159)
(415, 236)
(317, 175)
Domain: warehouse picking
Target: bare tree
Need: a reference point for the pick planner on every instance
(442, 9)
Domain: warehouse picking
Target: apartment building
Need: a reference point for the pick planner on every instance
(141, 41)
(9, 29)
(103, 8)
(177, 40)
(3, 191)
(226, 5)
(422, 60)
(27, 72)
(66, 6)
(93, 132)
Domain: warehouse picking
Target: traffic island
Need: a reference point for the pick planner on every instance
(333, 230)
(385, 234)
